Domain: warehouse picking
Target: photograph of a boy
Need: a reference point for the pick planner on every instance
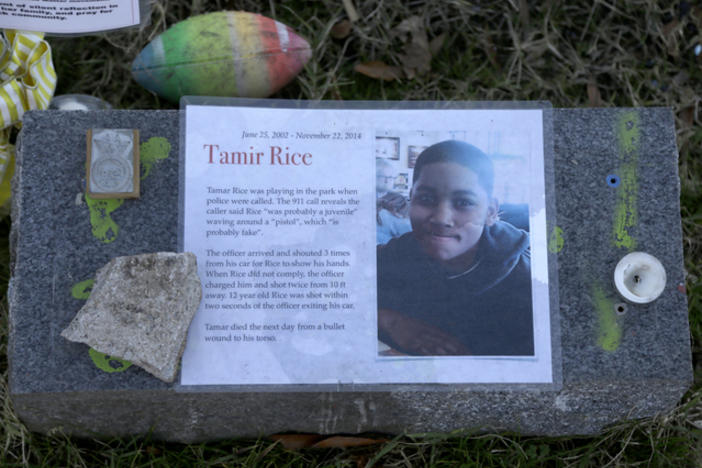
(460, 282)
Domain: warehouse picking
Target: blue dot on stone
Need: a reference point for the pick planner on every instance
(613, 180)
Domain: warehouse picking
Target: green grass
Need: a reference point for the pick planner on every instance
(634, 53)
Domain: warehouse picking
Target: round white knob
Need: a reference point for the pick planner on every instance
(639, 277)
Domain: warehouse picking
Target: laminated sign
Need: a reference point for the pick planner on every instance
(388, 245)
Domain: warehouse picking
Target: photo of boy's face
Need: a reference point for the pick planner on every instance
(448, 210)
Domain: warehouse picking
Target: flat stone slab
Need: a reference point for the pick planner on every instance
(614, 366)
(140, 309)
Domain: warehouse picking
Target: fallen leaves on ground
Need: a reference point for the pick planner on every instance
(436, 44)
(296, 441)
(379, 70)
(416, 55)
(345, 442)
(341, 29)
(416, 59)
(687, 116)
(593, 94)
(300, 441)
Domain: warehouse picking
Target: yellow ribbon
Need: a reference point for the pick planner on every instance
(28, 82)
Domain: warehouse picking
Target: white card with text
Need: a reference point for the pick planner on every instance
(68, 16)
(366, 246)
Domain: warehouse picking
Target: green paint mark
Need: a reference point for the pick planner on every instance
(625, 212)
(108, 363)
(102, 361)
(151, 152)
(83, 289)
(104, 228)
(555, 240)
(609, 333)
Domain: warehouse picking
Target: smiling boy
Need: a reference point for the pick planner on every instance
(460, 282)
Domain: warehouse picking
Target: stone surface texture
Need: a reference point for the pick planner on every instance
(635, 365)
(140, 309)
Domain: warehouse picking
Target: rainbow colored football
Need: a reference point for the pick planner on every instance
(227, 53)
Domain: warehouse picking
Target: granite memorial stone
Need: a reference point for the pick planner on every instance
(614, 364)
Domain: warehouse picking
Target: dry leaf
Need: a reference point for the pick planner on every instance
(416, 59)
(670, 39)
(436, 43)
(680, 78)
(151, 450)
(300, 441)
(593, 94)
(669, 28)
(411, 25)
(296, 441)
(341, 29)
(379, 70)
(345, 442)
(687, 115)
